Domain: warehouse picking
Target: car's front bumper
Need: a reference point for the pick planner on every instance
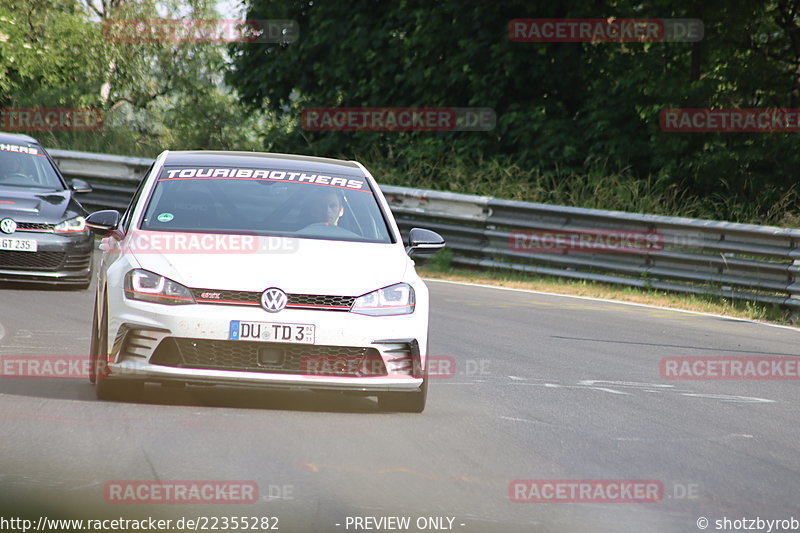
(141, 370)
(144, 340)
(59, 259)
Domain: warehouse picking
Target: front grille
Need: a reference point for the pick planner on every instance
(31, 260)
(295, 301)
(276, 358)
(36, 227)
(212, 296)
(312, 301)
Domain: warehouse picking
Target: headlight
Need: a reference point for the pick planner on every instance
(149, 287)
(395, 300)
(73, 225)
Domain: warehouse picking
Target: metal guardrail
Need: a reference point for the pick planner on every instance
(739, 261)
(113, 177)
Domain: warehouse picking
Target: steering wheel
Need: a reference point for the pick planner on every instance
(327, 230)
(17, 175)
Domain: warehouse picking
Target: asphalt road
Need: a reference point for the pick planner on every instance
(547, 387)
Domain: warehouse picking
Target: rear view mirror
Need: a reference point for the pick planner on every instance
(103, 223)
(424, 242)
(80, 186)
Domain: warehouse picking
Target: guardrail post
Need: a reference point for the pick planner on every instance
(793, 288)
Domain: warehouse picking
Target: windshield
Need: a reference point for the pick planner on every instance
(280, 202)
(23, 166)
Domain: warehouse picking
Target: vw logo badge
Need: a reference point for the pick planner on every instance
(8, 226)
(273, 300)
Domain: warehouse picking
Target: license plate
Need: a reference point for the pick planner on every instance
(271, 332)
(18, 245)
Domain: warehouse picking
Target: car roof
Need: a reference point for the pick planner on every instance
(17, 138)
(302, 163)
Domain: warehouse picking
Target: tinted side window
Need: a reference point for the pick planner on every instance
(126, 218)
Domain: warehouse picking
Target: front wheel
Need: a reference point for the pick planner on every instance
(405, 402)
(96, 344)
(105, 387)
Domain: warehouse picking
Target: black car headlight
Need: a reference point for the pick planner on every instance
(149, 287)
(393, 300)
(73, 225)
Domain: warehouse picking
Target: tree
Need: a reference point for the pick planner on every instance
(559, 105)
(154, 94)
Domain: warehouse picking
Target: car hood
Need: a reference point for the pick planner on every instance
(28, 205)
(302, 266)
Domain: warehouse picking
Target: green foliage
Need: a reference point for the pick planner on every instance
(441, 261)
(43, 55)
(578, 123)
(597, 187)
(564, 109)
(153, 95)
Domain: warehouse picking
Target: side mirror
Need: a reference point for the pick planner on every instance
(103, 223)
(80, 186)
(423, 242)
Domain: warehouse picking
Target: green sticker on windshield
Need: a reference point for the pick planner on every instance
(165, 217)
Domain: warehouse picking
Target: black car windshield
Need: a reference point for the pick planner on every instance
(279, 202)
(23, 166)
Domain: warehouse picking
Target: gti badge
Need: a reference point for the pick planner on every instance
(273, 300)
(8, 226)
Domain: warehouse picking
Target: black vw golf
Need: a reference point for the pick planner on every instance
(43, 234)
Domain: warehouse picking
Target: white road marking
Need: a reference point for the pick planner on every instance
(685, 439)
(637, 384)
(85, 486)
(559, 386)
(728, 399)
(634, 386)
(512, 419)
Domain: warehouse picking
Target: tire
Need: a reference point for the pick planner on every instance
(94, 349)
(405, 402)
(107, 388)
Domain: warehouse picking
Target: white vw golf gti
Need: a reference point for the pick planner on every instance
(265, 270)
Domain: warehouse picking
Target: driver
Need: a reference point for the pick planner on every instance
(11, 166)
(329, 207)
